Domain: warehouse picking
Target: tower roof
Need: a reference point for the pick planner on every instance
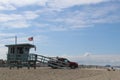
(21, 45)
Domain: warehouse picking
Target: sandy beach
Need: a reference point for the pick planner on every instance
(46, 73)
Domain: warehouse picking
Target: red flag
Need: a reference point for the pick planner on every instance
(30, 38)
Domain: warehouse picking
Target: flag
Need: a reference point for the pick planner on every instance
(30, 39)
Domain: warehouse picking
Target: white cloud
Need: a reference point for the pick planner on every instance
(5, 17)
(6, 34)
(69, 3)
(27, 15)
(7, 7)
(22, 2)
(85, 16)
(17, 20)
(88, 16)
(14, 4)
(58, 4)
(87, 54)
(16, 24)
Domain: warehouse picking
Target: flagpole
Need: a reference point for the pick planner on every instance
(15, 39)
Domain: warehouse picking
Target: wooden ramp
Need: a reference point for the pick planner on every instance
(51, 62)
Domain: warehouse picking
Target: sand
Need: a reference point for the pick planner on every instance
(46, 73)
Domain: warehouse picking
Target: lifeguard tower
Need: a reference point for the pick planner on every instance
(19, 56)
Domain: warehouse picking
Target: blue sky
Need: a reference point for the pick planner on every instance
(86, 31)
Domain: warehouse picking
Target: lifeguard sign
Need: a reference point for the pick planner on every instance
(18, 55)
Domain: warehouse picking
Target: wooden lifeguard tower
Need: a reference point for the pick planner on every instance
(19, 56)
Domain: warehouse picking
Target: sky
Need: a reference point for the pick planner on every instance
(86, 31)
